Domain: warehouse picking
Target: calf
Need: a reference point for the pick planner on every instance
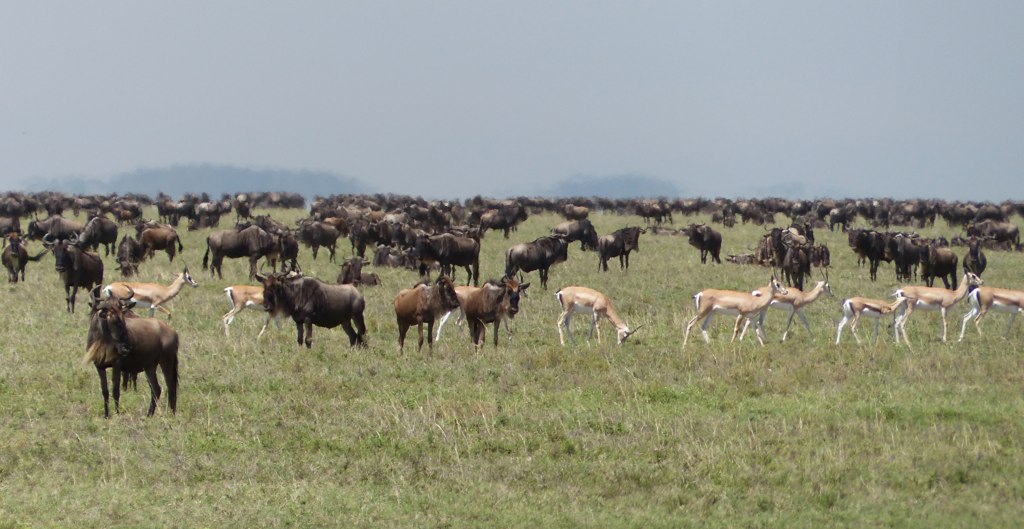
(15, 257)
(492, 303)
(424, 304)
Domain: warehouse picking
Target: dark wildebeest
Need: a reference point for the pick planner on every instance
(99, 230)
(316, 234)
(871, 244)
(57, 228)
(352, 274)
(705, 239)
(388, 256)
(975, 260)
(448, 251)
(128, 344)
(505, 218)
(160, 238)
(129, 254)
(310, 302)
(492, 303)
(619, 243)
(252, 242)
(1000, 231)
(421, 304)
(796, 265)
(76, 267)
(905, 255)
(287, 252)
(15, 257)
(540, 255)
(578, 230)
(938, 262)
(820, 256)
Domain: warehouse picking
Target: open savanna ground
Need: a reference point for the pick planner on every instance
(270, 434)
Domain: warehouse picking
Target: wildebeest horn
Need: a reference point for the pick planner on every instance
(48, 239)
(131, 293)
(260, 277)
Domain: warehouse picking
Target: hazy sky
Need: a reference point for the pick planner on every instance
(851, 98)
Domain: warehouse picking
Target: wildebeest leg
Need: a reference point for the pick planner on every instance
(352, 336)
(104, 389)
(497, 327)
(622, 261)
(298, 330)
(360, 328)
(430, 335)
(252, 266)
(154, 388)
(316, 247)
(309, 334)
(402, 329)
(116, 376)
(419, 331)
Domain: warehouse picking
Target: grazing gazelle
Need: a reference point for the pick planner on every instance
(587, 300)
(741, 304)
(856, 307)
(985, 299)
(934, 299)
(153, 294)
(794, 303)
(242, 297)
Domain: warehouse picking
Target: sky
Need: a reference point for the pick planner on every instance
(453, 99)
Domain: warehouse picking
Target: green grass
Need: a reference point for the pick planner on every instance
(268, 434)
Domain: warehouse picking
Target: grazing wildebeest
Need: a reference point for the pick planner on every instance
(310, 302)
(578, 230)
(975, 260)
(505, 218)
(1000, 231)
(705, 239)
(56, 227)
(76, 267)
(316, 234)
(448, 251)
(15, 257)
(619, 243)
(99, 230)
(421, 304)
(129, 254)
(160, 238)
(938, 262)
(574, 212)
(492, 303)
(252, 242)
(128, 344)
(540, 255)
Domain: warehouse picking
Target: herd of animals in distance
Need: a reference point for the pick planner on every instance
(440, 237)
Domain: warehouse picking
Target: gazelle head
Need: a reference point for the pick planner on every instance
(185, 275)
(624, 334)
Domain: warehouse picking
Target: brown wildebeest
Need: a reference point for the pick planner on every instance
(161, 238)
(252, 242)
(578, 230)
(424, 304)
(975, 260)
(128, 344)
(618, 244)
(448, 251)
(539, 255)
(492, 303)
(939, 262)
(76, 267)
(310, 302)
(705, 239)
(15, 257)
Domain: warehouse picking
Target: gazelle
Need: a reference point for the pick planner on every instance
(856, 307)
(934, 299)
(793, 302)
(742, 304)
(985, 299)
(587, 300)
(153, 294)
(242, 297)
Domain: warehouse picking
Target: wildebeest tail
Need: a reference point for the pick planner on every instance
(206, 256)
(180, 247)
(509, 269)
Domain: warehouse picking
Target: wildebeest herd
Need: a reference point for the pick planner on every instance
(442, 237)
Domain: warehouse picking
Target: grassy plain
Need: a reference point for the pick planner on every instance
(268, 434)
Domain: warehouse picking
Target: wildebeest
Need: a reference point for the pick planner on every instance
(316, 234)
(252, 242)
(15, 257)
(310, 302)
(504, 218)
(448, 251)
(77, 268)
(99, 230)
(1000, 231)
(705, 239)
(975, 260)
(871, 245)
(492, 303)
(129, 345)
(56, 227)
(619, 243)
(129, 254)
(421, 304)
(938, 262)
(160, 238)
(541, 254)
(578, 230)
(352, 274)
(574, 212)
(905, 254)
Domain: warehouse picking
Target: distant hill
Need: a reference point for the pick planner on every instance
(616, 186)
(213, 179)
